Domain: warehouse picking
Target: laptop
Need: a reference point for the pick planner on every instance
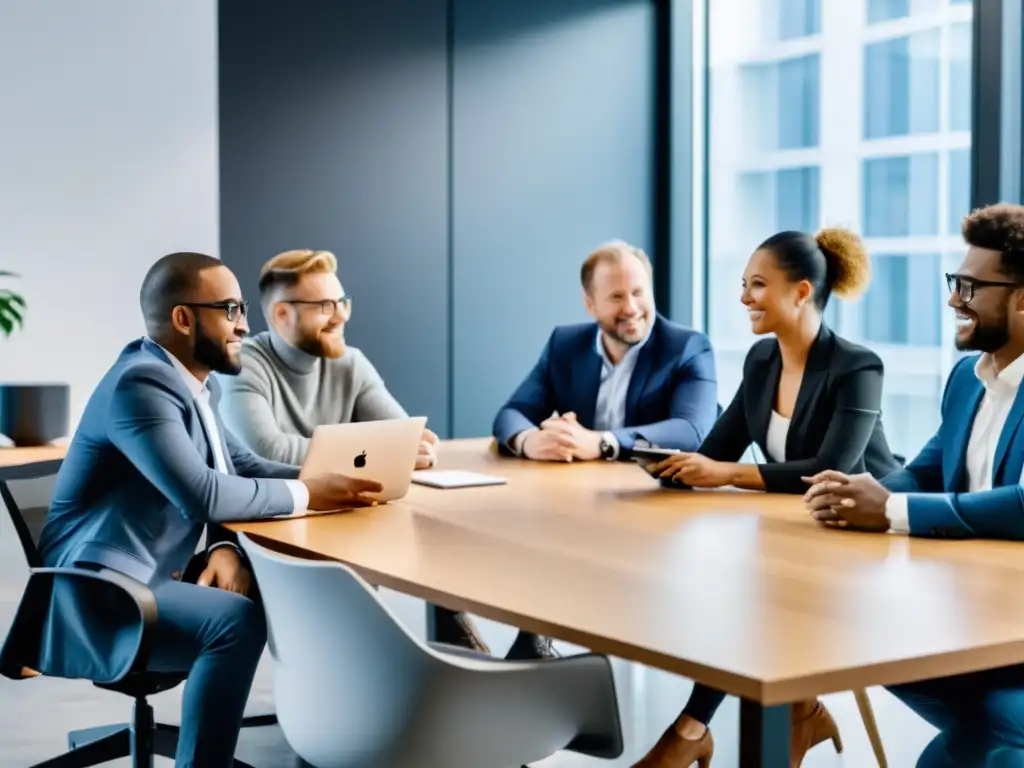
(384, 451)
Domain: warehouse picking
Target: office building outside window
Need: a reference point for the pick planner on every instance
(852, 114)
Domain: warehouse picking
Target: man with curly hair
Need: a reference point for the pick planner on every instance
(965, 483)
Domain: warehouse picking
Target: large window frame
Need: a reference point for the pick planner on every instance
(681, 258)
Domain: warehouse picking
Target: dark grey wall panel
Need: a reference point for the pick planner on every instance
(552, 152)
(334, 134)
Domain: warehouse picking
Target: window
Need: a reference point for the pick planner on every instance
(900, 196)
(792, 146)
(901, 86)
(904, 304)
(783, 199)
(960, 44)
(799, 18)
(784, 97)
(959, 188)
(887, 10)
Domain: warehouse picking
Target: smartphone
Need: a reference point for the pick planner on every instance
(646, 456)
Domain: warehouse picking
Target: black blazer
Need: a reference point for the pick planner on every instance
(836, 423)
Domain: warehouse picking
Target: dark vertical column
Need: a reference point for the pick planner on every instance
(764, 735)
(334, 135)
(986, 128)
(553, 151)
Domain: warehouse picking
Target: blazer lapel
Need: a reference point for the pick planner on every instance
(764, 400)
(811, 385)
(1006, 437)
(588, 382)
(641, 372)
(961, 437)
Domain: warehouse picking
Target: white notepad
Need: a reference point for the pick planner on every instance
(454, 478)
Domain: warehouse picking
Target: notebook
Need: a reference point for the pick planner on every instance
(454, 478)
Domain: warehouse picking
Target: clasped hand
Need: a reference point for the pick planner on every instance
(847, 501)
(693, 469)
(562, 438)
(426, 457)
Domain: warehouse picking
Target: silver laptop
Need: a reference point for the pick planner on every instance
(384, 451)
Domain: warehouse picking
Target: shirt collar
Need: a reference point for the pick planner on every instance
(1008, 380)
(633, 351)
(195, 386)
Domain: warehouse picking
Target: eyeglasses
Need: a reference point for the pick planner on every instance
(327, 306)
(964, 286)
(231, 308)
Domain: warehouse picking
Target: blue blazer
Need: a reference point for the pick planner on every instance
(134, 493)
(672, 400)
(936, 480)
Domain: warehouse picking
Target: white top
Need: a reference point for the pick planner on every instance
(778, 430)
(1000, 392)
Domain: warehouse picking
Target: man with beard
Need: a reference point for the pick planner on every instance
(965, 483)
(630, 378)
(301, 374)
(148, 468)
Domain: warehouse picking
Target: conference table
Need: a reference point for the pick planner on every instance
(738, 590)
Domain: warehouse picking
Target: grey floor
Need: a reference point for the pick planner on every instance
(37, 713)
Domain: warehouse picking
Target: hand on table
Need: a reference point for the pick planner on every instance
(224, 570)
(848, 501)
(693, 469)
(333, 491)
(583, 444)
(427, 455)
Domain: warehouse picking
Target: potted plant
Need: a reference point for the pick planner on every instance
(12, 307)
(30, 414)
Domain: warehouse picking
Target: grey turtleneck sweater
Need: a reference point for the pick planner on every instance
(283, 394)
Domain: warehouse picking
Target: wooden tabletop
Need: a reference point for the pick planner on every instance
(738, 590)
(15, 462)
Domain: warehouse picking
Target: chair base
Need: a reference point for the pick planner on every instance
(141, 740)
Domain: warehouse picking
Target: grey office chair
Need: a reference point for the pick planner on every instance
(26, 493)
(355, 689)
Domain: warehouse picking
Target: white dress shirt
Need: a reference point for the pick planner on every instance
(610, 409)
(201, 394)
(1000, 392)
(778, 431)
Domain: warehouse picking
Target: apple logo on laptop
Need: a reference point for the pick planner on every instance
(360, 460)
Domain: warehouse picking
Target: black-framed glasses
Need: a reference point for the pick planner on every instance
(327, 306)
(231, 308)
(964, 286)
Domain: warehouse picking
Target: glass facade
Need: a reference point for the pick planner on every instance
(856, 115)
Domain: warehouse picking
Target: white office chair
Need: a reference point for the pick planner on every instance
(355, 689)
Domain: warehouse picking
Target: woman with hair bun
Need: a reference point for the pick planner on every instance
(811, 401)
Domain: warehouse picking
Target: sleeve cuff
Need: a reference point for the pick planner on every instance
(231, 544)
(898, 512)
(515, 443)
(300, 495)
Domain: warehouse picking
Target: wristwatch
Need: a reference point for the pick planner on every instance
(607, 446)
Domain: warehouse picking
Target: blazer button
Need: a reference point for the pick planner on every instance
(176, 575)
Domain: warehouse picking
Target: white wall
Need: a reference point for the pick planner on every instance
(108, 160)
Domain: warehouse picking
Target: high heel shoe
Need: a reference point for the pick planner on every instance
(811, 725)
(673, 751)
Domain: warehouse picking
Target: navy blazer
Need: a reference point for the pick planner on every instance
(936, 480)
(671, 402)
(133, 495)
(836, 423)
